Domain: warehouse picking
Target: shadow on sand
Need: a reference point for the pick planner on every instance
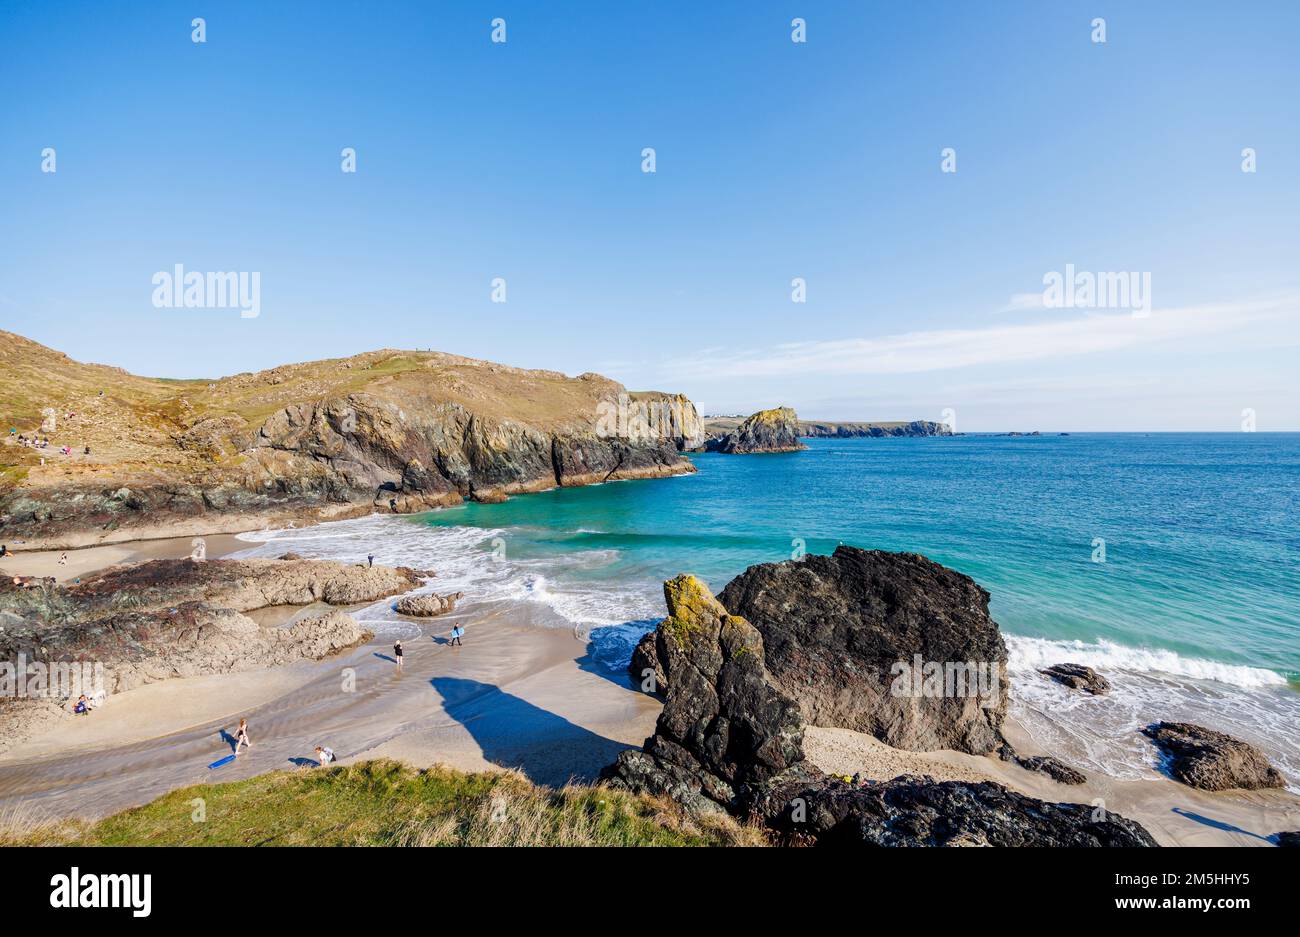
(514, 733)
(1220, 825)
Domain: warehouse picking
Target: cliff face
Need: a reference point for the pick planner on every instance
(847, 430)
(775, 430)
(389, 430)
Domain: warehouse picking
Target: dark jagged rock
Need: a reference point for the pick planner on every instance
(1055, 769)
(1290, 839)
(730, 739)
(912, 811)
(725, 731)
(645, 662)
(1078, 677)
(1212, 761)
(775, 430)
(842, 634)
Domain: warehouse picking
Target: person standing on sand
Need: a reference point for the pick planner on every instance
(370, 559)
(241, 736)
(397, 652)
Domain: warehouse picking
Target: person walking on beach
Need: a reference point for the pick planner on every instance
(63, 559)
(241, 736)
(397, 652)
(370, 559)
(456, 632)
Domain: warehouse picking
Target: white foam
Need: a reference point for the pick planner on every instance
(1036, 653)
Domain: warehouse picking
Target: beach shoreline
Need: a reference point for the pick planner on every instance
(521, 694)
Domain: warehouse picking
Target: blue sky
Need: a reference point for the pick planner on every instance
(774, 160)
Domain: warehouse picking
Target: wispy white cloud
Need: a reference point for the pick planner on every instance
(1021, 302)
(943, 349)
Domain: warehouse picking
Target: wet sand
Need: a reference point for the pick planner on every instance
(86, 560)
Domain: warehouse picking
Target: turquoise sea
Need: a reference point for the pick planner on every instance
(1170, 562)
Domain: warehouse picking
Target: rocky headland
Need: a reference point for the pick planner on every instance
(388, 430)
(821, 429)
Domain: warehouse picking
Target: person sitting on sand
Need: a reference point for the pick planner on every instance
(397, 652)
(456, 632)
(324, 755)
(241, 736)
(83, 706)
(4, 549)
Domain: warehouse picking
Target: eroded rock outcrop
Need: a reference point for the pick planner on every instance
(730, 738)
(1078, 677)
(428, 605)
(891, 644)
(1212, 761)
(726, 731)
(242, 585)
(775, 430)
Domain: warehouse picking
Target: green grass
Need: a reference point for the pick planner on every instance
(384, 803)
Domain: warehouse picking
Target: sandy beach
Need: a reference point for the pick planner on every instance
(84, 560)
(518, 694)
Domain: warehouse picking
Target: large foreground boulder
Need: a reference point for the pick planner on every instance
(891, 644)
(1212, 761)
(725, 731)
(775, 430)
(730, 739)
(917, 811)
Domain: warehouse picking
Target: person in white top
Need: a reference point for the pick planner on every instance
(324, 755)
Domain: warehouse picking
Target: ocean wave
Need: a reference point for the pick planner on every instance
(1036, 653)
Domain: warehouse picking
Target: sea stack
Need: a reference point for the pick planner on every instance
(775, 430)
